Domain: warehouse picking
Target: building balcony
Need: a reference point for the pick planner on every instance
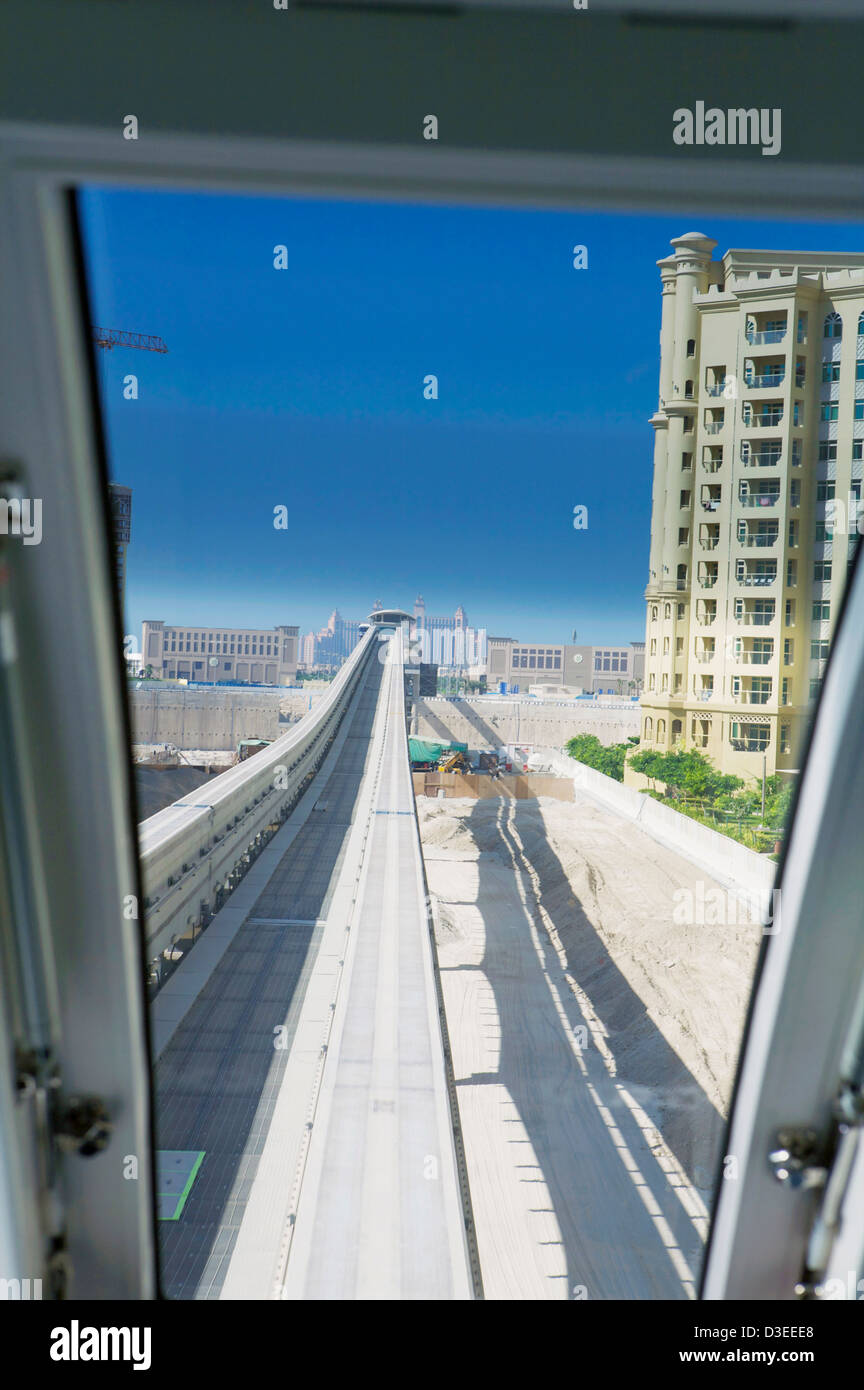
(704, 694)
(755, 581)
(708, 581)
(752, 697)
(759, 499)
(763, 421)
(755, 619)
(709, 542)
(761, 540)
(771, 335)
(766, 379)
(755, 658)
(762, 458)
(714, 427)
(717, 389)
(705, 656)
(706, 619)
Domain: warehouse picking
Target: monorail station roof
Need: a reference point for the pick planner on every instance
(389, 615)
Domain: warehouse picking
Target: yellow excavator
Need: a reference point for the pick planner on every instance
(454, 762)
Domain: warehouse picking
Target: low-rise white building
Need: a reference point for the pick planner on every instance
(259, 656)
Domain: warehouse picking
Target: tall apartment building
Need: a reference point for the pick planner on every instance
(758, 441)
(259, 655)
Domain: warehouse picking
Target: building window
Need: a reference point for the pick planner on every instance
(784, 691)
(821, 610)
(827, 452)
(788, 651)
(832, 326)
(819, 650)
(684, 531)
(795, 493)
(691, 347)
(828, 410)
(858, 410)
(825, 489)
(649, 727)
(680, 610)
(785, 738)
(685, 498)
(814, 687)
(749, 738)
(822, 572)
(857, 448)
(790, 612)
(830, 371)
(686, 462)
(654, 613)
(791, 574)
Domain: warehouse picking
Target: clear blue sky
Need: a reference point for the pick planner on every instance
(304, 387)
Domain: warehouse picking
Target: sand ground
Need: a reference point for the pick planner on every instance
(594, 1041)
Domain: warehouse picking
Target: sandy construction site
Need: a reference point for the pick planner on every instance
(594, 1043)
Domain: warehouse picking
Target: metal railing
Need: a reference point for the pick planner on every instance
(762, 458)
(769, 335)
(768, 379)
(759, 499)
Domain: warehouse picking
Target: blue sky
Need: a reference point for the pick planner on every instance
(304, 387)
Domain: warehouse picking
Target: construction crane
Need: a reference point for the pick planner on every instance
(119, 337)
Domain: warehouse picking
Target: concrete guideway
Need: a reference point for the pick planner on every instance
(380, 1215)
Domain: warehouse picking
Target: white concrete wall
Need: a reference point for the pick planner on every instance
(731, 863)
(485, 723)
(216, 719)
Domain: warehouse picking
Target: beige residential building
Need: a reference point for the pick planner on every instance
(261, 656)
(758, 442)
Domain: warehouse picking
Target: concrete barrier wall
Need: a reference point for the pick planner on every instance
(720, 856)
(216, 719)
(488, 724)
